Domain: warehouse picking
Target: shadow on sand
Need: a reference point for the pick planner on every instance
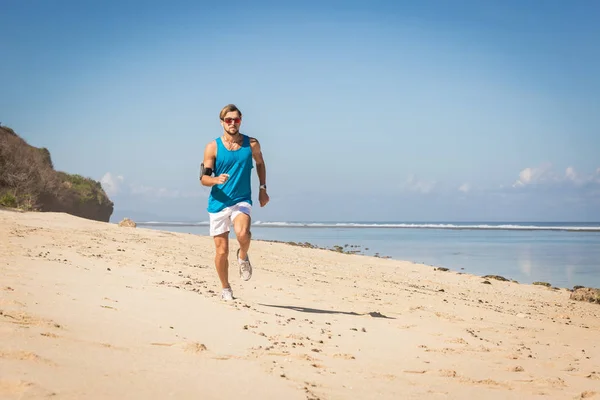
(373, 314)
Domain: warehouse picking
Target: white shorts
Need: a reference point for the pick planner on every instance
(220, 222)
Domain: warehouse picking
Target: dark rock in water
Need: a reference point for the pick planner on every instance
(542, 284)
(496, 277)
(586, 294)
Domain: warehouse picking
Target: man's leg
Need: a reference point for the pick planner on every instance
(241, 226)
(221, 258)
(219, 230)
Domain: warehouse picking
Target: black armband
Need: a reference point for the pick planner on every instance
(205, 171)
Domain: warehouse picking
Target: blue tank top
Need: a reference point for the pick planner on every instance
(238, 164)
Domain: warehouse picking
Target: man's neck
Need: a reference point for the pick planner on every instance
(232, 138)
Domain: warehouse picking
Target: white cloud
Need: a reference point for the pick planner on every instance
(596, 177)
(534, 175)
(111, 184)
(571, 174)
(545, 175)
(578, 179)
(420, 186)
(465, 188)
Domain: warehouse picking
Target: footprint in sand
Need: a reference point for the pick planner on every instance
(407, 326)
(345, 356)
(17, 388)
(23, 356)
(310, 395)
(448, 373)
(552, 382)
(419, 372)
(594, 375)
(194, 347)
(27, 320)
(457, 341)
(486, 382)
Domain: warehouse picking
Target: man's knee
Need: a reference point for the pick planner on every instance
(243, 234)
(221, 245)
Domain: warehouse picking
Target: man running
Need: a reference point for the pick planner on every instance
(229, 158)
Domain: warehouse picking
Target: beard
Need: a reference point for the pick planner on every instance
(232, 131)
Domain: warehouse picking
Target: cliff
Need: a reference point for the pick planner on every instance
(28, 181)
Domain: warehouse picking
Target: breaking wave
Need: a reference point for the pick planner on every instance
(575, 227)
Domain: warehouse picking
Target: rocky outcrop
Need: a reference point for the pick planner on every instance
(127, 223)
(28, 181)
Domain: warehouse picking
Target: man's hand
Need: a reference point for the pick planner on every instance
(263, 198)
(221, 179)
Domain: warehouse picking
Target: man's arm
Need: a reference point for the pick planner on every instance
(210, 152)
(261, 169)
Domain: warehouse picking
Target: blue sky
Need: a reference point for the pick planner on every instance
(430, 110)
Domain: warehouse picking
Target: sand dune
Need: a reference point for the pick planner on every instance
(96, 311)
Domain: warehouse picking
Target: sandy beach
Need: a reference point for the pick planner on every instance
(91, 310)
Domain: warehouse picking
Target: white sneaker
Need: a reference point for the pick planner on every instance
(227, 294)
(245, 267)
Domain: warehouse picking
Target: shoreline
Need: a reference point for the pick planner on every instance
(357, 249)
(312, 323)
(519, 256)
(341, 249)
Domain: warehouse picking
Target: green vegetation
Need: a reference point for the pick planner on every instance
(8, 200)
(29, 182)
(87, 190)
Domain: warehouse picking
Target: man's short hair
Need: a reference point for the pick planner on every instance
(229, 108)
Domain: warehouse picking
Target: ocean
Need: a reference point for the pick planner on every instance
(561, 254)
